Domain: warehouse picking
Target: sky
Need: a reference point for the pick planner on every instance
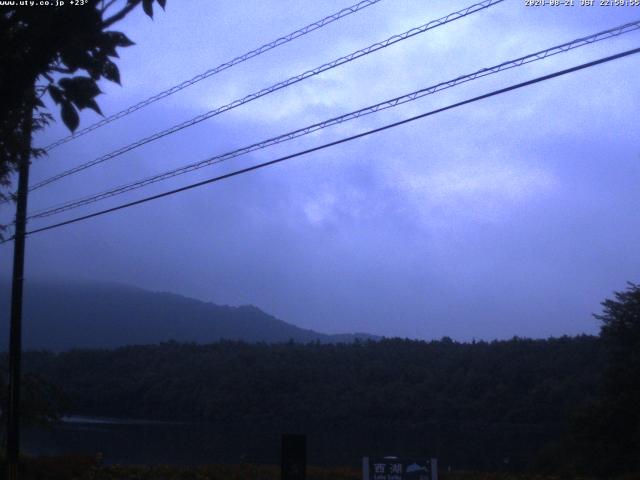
(515, 215)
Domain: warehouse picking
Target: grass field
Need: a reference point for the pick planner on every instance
(85, 468)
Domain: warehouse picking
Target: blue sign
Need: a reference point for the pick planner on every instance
(391, 468)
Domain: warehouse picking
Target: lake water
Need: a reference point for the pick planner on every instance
(126, 441)
(147, 442)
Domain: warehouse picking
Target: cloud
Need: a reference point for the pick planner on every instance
(514, 215)
(487, 192)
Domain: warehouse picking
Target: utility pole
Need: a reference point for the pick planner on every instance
(15, 333)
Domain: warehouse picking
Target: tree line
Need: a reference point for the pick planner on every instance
(561, 404)
(474, 403)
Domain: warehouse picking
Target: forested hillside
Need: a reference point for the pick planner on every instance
(401, 381)
(479, 400)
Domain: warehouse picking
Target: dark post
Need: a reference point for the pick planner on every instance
(294, 457)
(15, 335)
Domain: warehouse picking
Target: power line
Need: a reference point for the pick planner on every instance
(278, 86)
(338, 142)
(540, 55)
(213, 71)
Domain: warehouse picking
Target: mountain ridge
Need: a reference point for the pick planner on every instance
(59, 316)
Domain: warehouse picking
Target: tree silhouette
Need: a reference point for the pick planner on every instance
(620, 333)
(68, 49)
(61, 52)
(606, 433)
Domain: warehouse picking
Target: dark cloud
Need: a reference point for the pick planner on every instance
(514, 216)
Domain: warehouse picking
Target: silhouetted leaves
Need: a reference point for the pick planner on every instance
(61, 43)
(56, 94)
(147, 6)
(107, 45)
(119, 39)
(79, 89)
(69, 116)
(110, 71)
(73, 58)
(78, 92)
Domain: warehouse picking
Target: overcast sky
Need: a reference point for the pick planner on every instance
(516, 215)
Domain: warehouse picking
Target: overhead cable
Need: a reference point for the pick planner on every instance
(278, 86)
(606, 34)
(337, 142)
(224, 66)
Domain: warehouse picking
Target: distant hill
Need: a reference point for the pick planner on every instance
(100, 315)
